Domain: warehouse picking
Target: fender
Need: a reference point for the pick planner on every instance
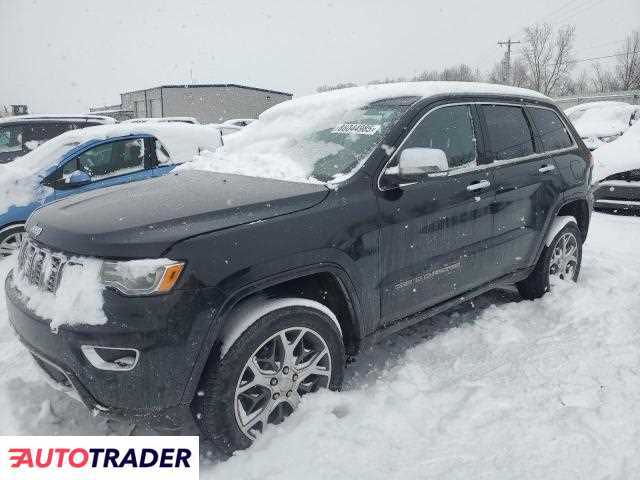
(558, 224)
(217, 324)
(249, 311)
(552, 222)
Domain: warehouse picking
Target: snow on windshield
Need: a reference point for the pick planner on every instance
(326, 136)
(19, 180)
(601, 119)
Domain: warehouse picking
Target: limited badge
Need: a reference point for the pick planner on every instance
(36, 230)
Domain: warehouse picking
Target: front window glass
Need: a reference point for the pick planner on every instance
(449, 129)
(112, 159)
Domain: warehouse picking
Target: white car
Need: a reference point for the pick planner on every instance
(602, 122)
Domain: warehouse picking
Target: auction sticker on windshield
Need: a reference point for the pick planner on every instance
(97, 458)
(357, 128)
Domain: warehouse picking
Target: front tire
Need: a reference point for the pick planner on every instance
(284, 355)
(10, 240)
(561, 260)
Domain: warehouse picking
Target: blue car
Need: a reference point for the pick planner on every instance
(95, 157)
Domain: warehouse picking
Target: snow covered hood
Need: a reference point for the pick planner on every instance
(281, 143)
(601, 119)
(619, 156)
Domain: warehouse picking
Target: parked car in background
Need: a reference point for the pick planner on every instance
(239, 122)
(236, 295)
(598, 123)
(617, 173)
(89, 159)
(226, 129)
(190, 120)
(20, 135)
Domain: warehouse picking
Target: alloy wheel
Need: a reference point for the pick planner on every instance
(288, 365)
(11, 244)
(564, 258)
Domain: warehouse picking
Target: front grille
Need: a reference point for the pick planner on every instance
(40, 267)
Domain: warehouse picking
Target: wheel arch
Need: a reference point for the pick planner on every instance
(579, 209)
(325, 286)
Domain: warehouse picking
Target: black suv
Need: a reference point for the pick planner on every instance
(233, 296)
(19, 135)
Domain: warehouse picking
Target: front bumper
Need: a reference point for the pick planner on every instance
(168, 331)
(618, 195)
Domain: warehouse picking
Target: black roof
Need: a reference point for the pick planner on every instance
(209, 85)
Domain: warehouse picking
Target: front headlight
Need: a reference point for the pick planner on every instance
(141, 277)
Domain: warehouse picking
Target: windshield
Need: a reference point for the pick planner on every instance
(306, 142)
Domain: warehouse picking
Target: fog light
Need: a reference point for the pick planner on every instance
(111, 358)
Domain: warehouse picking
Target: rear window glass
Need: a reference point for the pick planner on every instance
(508, 130)
(551, 130)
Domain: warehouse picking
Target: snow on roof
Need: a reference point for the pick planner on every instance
(356, 97)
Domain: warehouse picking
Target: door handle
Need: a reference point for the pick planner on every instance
(482, 184)
(546, 168)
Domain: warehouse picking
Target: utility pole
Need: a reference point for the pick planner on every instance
(506, 69)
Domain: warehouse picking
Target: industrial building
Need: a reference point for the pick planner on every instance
(209, 103)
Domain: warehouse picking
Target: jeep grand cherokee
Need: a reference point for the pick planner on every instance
(234, 296)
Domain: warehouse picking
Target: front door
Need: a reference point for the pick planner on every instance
(433, 231)
(109, 163)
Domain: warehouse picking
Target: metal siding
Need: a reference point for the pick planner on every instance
(217, 104)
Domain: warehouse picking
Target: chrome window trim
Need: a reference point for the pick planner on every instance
(484, 166)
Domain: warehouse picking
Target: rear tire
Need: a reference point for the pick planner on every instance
(259, 377)
(561, 259)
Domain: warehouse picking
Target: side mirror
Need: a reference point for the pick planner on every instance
(418, 162)
(78, 179)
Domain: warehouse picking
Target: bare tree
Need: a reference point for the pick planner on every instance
(461, 72)
(627, 71)
(337, 86)
(602, 80)
(548, 56)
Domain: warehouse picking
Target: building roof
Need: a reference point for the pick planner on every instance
(214, 85)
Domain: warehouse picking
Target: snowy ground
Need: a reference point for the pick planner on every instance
(500, 388)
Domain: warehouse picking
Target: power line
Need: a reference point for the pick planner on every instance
(603, 57)
(578, 11)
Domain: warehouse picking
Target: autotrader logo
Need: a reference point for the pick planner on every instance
(70, 458)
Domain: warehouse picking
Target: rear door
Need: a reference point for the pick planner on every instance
(433, 233)
(527, 185)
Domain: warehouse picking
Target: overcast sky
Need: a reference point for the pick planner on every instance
(65, 55)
